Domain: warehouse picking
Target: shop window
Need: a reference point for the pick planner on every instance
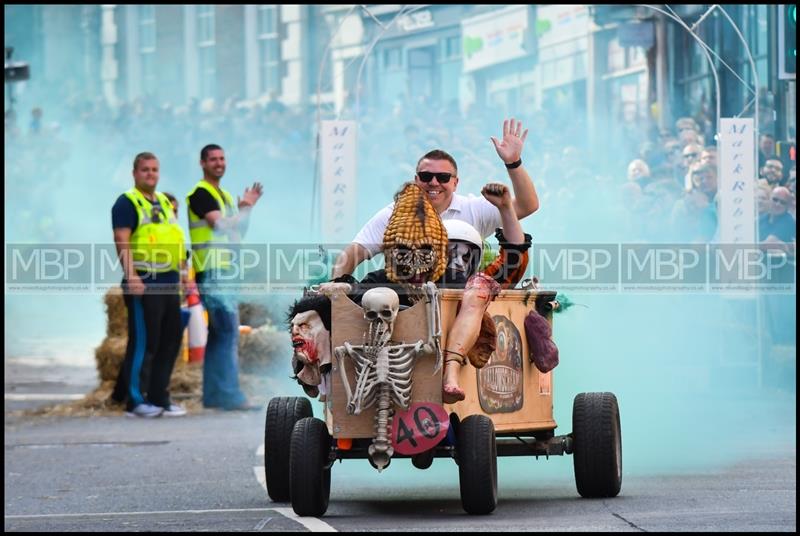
(147, 47)
(269, 56)
(451, 48)
(206, 50)
(392, 58)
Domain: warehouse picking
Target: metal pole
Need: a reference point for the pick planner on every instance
(661, 72)
(315, 201)
(701, 19)
(704, 47)
(759, 304)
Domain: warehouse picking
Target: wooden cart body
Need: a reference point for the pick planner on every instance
(509, 389)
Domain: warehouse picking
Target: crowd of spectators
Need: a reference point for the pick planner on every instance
(672, 187)
(669, 193)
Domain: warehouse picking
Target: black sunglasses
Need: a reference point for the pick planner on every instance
(441, 176)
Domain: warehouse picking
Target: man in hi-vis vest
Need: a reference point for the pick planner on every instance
(216, 224)
(152, 251)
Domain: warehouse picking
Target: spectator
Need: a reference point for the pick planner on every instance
(778, 224)
(709, 156)
(639, 171)
(791, 185)
(763, 199)
(691, 155)
(694, 217)
(772, 172)
(766, 148)
(150, 246)
(215, 222)
(686, 123)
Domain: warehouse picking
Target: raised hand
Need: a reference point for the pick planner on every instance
(509, 149)
(497, 194)
(251, 195)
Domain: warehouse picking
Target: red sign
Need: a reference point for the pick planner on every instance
(420, 428)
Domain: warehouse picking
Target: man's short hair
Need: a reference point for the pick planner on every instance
(438, 154)
(143, 156)
(207, 149)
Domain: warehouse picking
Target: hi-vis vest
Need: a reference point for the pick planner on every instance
(208, 246)
(157, 244)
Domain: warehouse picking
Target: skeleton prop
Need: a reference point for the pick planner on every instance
(383, 371)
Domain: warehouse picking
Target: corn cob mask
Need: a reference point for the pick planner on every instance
(415, 241)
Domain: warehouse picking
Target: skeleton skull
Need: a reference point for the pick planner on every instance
(381, 305)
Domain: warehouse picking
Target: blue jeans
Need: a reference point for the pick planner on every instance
(221, 361)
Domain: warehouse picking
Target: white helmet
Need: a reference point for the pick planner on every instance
(461, 231)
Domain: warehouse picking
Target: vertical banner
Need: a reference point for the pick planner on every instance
(737, 182)
(338, 170)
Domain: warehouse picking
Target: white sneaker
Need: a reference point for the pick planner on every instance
(147, 411)
(174, 410)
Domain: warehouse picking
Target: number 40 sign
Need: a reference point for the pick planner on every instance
(419, 428)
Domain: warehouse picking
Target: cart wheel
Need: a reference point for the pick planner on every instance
(282, 414)
(423, 460)
(597, 446)
(309, 469)
(477, 464)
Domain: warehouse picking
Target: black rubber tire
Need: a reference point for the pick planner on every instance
(477, 464)
(282, 414)
(597, 445)
(423, 460)
(309, 470)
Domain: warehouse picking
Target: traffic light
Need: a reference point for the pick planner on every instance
(17, 72)
(787, 41)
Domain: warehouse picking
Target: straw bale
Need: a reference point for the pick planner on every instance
(117, 322)
(253, 314)
(109, 356)
(263, 347)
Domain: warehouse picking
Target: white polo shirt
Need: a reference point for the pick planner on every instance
(476, 211)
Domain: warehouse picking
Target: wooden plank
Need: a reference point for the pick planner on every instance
(536, 412)
(349, 325)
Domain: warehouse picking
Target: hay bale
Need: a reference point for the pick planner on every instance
(109, 356)
(263, 347)
(186, 380)
(117, 323)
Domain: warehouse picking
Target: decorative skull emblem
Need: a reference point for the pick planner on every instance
(381, 305)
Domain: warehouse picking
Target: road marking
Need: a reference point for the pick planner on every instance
(313, 524)
(101, 514)
(21, 397)
(260, 476)
(261, 524)
(260, 451)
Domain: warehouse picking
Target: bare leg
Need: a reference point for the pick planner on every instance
(462, 336)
